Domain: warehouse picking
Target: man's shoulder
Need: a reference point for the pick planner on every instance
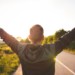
(49, 45)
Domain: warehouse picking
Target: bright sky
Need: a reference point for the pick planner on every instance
(17, 16)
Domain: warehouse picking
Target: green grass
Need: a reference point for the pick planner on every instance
(70, 51)
(8, 60)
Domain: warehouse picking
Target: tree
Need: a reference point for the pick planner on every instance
(59, 33)
(44, 41)
(50, 39)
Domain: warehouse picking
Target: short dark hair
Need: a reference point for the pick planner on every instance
(37, 25)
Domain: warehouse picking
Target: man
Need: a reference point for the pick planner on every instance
(37, 59)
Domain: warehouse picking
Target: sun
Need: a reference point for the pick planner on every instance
(18, 31)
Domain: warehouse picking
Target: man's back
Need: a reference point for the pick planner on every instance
(37, 60)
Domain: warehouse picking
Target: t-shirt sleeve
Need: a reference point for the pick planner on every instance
(20, 49)
(50, 50)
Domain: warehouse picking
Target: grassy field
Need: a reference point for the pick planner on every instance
(70, 51)
(8, 60)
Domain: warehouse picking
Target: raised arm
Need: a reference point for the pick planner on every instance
(64, 41)
(9, 40)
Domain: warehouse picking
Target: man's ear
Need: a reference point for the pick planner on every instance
(29, 37)
(42, 37)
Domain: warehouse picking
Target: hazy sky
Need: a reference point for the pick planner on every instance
(17, 16)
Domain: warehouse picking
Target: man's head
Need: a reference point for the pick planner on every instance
(36, 33)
